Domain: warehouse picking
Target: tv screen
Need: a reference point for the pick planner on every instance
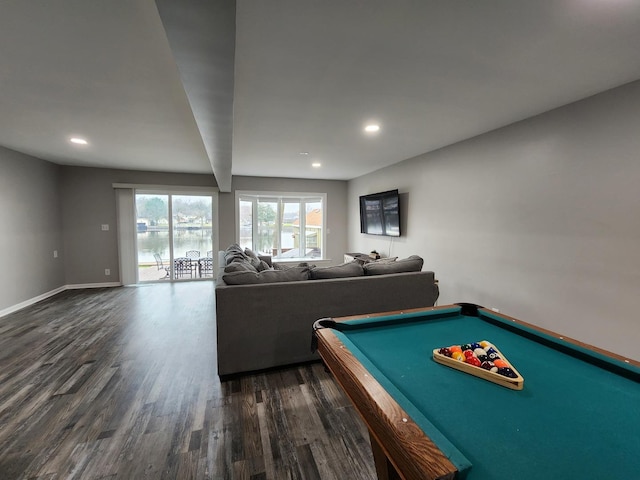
(380, 213)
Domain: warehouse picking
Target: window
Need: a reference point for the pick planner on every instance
(285, 226)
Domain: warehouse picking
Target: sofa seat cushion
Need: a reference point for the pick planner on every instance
(350, 269)
(294, 274)
(409, 264)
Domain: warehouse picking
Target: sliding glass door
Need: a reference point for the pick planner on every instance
(174, 236)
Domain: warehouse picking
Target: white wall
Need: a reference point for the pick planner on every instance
(540, 219)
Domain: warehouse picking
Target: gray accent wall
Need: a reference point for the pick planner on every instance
(30, 228)
(336, 214)
(539, 219)
(88, 201)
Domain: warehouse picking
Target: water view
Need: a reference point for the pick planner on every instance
(183, 241)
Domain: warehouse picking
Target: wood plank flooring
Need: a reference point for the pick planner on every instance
(121, 383)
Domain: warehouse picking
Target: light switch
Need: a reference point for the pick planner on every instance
(105, 227)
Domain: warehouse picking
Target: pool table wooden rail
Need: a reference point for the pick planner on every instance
(395, 437)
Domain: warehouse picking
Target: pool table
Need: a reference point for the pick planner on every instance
(576, 417)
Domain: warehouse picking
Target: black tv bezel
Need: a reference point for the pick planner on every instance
(379, 196)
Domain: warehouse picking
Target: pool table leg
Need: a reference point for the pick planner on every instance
(384, 468)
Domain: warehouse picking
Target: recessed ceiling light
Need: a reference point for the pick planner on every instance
(78, 141)
(316, 164)
(372, 128)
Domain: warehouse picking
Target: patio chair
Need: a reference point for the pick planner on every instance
(192, 254)
(206, 266)
(191, 265)
(160, 264)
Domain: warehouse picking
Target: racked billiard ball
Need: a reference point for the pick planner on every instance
(493, 355)
(487, 365)
(500, 363)
(473, 361)
(507, 372)
(458, 356)
(445, 351)
(466, 346)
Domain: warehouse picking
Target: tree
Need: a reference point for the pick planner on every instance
(266, 213)
(153, 208)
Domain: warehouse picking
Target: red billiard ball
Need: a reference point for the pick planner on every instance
(473, 361)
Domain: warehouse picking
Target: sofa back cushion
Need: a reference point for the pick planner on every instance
(266, 276)
(409, 264)
(351, 269)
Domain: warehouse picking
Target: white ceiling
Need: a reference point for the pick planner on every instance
(152, 85)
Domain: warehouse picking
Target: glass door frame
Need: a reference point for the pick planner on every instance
(170, 192)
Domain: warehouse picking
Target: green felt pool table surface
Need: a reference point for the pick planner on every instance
(573, 419)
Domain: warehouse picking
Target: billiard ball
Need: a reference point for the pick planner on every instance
(479, 351)
(458, 356)
(445, 351)
(507, 372)
(493, 356)
(455, 348)
(467, 353)
(483, 358)
(500, 363)
(475, 345)
(489, 366)
(473, 361)
(466, 346)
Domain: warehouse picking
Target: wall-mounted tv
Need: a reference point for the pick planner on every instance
(380, 213)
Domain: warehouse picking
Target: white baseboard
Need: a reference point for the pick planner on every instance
(92, 285)
(31, 301)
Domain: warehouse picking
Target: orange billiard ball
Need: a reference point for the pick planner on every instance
(500, 363)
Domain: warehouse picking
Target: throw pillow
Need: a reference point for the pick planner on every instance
(234, 252)
(239, 266)
(351, 269)
(263, 266)
(386, 260)
(410, 264)
(253, 258)
(293, 274)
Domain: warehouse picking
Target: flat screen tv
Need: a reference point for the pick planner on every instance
(380, 213)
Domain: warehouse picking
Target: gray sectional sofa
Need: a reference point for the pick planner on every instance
(267, 322)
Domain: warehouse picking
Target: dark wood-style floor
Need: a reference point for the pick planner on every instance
(121, 383)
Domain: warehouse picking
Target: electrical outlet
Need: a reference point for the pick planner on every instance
(55, 254)
(107, 272)
(105, 227)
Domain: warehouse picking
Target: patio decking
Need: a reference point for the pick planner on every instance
(149, 273)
